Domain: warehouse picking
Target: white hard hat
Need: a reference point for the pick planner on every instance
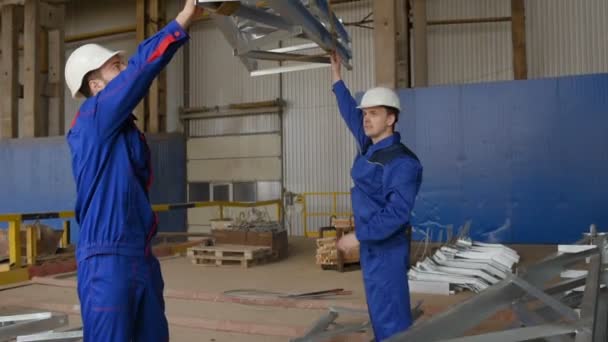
(86, 58)
(380, 96)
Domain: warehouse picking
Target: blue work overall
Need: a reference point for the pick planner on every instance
(119, 281)
(387, 177)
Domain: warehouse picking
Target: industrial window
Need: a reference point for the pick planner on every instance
(198, 192)
(221, 192)
(244, 192)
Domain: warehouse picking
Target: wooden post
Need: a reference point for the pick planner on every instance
(403, 44)
(385, 43)
(421, 69)
(56, 61)
(32, 248)
(9, 78)
(32, 125)
(518, 33)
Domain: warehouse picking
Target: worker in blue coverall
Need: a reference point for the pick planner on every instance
(387, 177)
(120, 285)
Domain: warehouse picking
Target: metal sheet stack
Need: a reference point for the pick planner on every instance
(464, 265)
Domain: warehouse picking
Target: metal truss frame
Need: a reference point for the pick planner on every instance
(546, 310)
(255, 28)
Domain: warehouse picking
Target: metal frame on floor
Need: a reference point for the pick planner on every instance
(36, 327)
(255, 28)
(545, 311)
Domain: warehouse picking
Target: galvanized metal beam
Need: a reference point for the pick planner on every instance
(53, 336)
(589, 306)
(38, 323)
(564, 310)
(249, 26)
(450, 323)
(521, 334)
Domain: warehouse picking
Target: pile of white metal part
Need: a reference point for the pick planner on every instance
(463, 265)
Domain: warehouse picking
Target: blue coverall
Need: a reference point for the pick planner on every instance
(120, 285)
(387, 177)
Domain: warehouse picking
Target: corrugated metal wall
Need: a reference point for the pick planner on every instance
(469, 53)
(218, 78)
(566, 37)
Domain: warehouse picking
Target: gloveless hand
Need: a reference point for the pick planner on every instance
(348, 242)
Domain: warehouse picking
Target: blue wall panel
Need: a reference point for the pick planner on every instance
(526, 161)
(36, 176)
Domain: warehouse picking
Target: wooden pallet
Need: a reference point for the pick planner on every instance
(347, 266)
(229, 255)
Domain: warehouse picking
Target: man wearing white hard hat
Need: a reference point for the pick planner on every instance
(120, 285)
(387, 176)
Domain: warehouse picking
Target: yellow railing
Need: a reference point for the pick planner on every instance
(15, 220)
(306, 197)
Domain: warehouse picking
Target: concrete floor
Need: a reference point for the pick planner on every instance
(298, 273)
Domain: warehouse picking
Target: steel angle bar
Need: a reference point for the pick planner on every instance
(450, 278)
(26, 317)
(565, 285)
(572, 299)
(322, 324)
(288, 68)
(296, 12)
(600, 332)
(521, 334)
(487, 267)
(537, 316)
(528, 317)
(53, 336)
(589, 306)
(293, 48)
(273, 56)
(341, 310)
(574, 248)
(429, 287)
(468, 272)
(324, 10)
(542, 272)
(266, 40)
(319, 331)
(326, 335)
(564, 310)
(264, 17)
(32, 326)
(451, 323)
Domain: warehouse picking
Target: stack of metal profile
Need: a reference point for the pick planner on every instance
(463, 265)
